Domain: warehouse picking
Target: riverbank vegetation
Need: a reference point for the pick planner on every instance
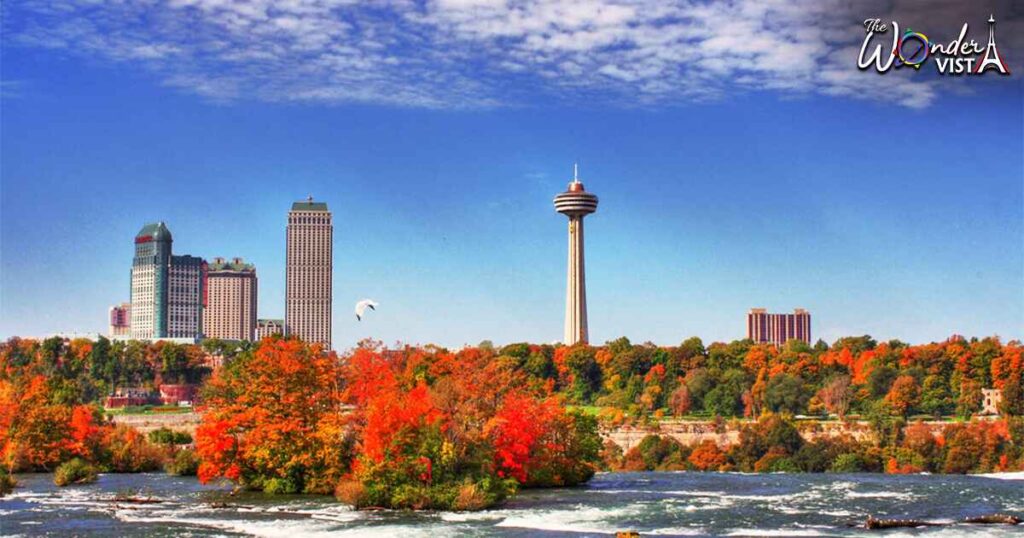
(433, 428)
(774, 444)
(412, 428)
(75, 472)
(7, 482)
(50, 410)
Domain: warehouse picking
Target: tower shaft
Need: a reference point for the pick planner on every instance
(576, 286)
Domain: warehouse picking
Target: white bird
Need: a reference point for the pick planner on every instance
(362, 305)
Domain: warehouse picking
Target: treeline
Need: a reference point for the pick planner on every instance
(855, 375)
(425, 427)
(50, 401)
(774, 444)
(85, 371)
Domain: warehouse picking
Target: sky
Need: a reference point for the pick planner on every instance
(740, 157)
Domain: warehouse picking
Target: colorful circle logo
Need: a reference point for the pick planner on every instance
(912, 49)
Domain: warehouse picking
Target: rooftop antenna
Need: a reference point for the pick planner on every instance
(575, 173)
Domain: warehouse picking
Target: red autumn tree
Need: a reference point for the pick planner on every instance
(680, 401)
(516, 429)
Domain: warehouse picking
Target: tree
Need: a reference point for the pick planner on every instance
(904, 395)
(836, 395)
(679, 402)
(725, 399)
(855, 344)
(970, 397)
(784, 393)
(1013, 398)
(935, 396)
(707, 456)
(273, 421)
(880, 380)
(771, 432)
(586, 374)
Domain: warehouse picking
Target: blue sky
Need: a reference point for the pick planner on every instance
(733, 173)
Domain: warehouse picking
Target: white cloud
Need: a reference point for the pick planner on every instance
(484, 53)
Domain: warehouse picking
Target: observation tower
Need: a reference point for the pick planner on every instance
(576, 203)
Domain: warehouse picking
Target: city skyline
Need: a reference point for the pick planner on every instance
(765, 172)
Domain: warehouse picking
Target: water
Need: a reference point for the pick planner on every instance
(663, 504)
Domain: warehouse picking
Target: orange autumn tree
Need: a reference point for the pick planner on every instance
(904, 394)
(273, 421)
(707, 456)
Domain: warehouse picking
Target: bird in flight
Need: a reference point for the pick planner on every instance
(361, 307)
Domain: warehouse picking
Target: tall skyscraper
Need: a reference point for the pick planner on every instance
(308, 268)
(230, 312)
(150, 280)
(576, 203)
(778, 329)
(187, 297)
(121, 319)
(167, 291)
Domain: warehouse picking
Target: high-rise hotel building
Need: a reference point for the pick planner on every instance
(308, 272)
(150, 279)
(187, 297)
(778, 329)
(167, 291)
(230, 312)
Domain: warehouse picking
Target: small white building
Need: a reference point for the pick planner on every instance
(990, 400)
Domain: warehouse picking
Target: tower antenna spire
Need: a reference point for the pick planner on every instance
(575, 172)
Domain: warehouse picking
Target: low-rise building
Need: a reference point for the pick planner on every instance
(129, 397)
(121, 319)
(177, 394)
(268, 327)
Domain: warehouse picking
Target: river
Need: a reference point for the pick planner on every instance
(663, 504)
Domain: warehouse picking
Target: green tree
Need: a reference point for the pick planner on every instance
(785, 394)
(880, 380)
(935, 396)
(856, 344)
(726, 398)
(586, 373)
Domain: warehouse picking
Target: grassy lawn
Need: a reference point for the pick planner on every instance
(591, 410)
(150, 410)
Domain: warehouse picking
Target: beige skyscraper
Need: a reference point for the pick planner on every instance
(231, 288)
(576, 203)
(308, 268)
